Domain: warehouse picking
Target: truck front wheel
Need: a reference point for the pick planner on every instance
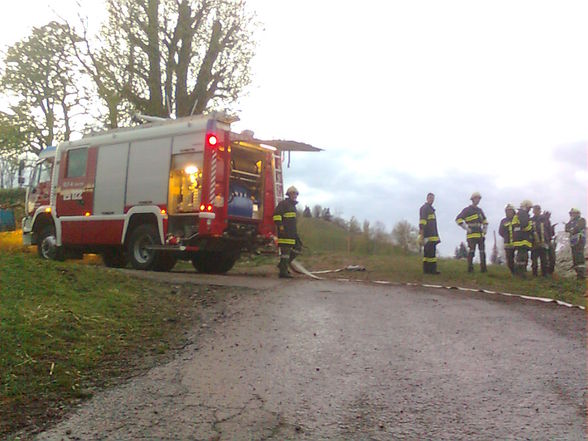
(47, 244)
(141, 257)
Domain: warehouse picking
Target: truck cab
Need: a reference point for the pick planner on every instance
(38, 206)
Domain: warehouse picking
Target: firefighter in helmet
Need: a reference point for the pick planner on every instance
(522, 229)
(506, 232)
(541, 239)
(473, 220)
(428, 235)
(288, 240)
(576, 227)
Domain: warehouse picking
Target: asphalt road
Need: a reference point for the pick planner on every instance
(314, 360)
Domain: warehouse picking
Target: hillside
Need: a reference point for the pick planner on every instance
(328, 249)
(321, 236)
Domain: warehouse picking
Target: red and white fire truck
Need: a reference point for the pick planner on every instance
(165, 190)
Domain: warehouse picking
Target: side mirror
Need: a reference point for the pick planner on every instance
(21, 166)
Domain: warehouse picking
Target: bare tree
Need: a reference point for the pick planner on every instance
(41, 83)
(170, 57)
(354, 227)
(405, 236)
(317, 211)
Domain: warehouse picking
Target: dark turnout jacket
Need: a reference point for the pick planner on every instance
(522, 228)
(285, 216)
(475, 219)
(505, 230)
(428, 223)
(541, 231)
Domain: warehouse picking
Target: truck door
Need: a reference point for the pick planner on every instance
(75, 193)
(39, 186)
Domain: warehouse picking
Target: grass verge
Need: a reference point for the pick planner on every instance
(67, 329)
(408, 269)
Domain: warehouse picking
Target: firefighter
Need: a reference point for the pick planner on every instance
(473, 220)
(577, 229)
(288, 240)
(506, 232)
(522, 229)
(428, 235)
(541, 238)
(550, 243)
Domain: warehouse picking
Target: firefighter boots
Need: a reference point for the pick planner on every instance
(470, 263)
(283, 265)
(483, 262)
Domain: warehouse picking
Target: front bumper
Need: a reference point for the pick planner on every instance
(28, 238)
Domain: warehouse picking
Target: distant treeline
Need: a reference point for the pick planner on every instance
(354, 236)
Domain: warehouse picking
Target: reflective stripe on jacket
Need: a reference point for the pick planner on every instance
(428, 223)
(285, 216)
(577, 229)
(475, 219)
(541, 231)
(522, 229)
(506, 232)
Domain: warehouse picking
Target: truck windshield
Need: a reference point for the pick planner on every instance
(41, 173)
(185, 183)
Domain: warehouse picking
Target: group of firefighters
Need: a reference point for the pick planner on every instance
(521, 232)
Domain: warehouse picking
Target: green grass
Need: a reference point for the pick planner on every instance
(408, 269)
(331, 247)
(68, 328)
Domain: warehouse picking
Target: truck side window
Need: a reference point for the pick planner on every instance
(45, 172)
(76, 163)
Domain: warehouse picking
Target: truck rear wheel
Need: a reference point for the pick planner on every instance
(115, 257)
(47, 244)
(214, 262)
(141, 257)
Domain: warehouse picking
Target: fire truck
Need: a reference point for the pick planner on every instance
(188, 189)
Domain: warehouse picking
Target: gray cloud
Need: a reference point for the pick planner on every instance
(397, 195)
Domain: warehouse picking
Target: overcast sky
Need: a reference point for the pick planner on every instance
(410, 97)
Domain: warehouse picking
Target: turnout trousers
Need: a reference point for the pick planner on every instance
(521, 259)
(509, 253)
(429, 258)
(579, 260)
(472, 244)
(539, 256)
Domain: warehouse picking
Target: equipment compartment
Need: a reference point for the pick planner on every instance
(246, 181)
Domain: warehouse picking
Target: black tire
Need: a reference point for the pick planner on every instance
(115, 257)
(140, 257)
(165, 262)
(214, 262)
(47, 244)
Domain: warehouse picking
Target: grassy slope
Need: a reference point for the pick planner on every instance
(328, 249)
(67, 328)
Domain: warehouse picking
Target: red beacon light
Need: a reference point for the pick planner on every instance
(212, 140)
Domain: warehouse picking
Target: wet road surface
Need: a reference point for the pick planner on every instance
(313, 360)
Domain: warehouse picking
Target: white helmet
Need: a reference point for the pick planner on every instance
(526, 204)
(509, 207)
(292, 189)
(475, 194)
